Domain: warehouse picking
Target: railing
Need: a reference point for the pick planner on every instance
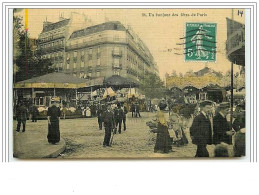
(51, 38)
(52, 48)
(94, 42)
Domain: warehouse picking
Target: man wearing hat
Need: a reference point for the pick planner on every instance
(239, 114)
(109, 124)
(221, 128)
(200, 130)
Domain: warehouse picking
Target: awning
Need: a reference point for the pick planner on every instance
(52, 80)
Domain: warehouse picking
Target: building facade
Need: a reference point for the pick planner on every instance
(108, 49)
(93, 51)
(52, 40)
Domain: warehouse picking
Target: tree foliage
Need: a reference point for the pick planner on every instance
(26, 63)
(152, 86)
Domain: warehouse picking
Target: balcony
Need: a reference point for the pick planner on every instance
(95, 42)
(50, 49)
(235, 47)
(51, 38)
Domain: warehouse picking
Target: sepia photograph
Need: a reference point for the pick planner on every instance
(124, 83)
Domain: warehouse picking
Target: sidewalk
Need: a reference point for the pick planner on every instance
(33, 144)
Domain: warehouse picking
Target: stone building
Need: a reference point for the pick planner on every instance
(108, 49)
(52, 40)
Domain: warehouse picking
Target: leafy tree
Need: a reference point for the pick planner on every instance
(152, 86)
(26, 64)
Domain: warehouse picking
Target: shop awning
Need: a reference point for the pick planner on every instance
(52, 80)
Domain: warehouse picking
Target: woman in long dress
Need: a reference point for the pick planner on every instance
(163, 141)
(53, 126)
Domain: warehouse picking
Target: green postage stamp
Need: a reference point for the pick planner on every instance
(200, 42)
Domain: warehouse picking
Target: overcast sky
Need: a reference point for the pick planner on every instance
(160, 29)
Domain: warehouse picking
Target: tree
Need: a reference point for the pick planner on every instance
(152, 86)
(26, 64)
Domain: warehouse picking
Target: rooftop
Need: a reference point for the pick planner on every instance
(113, 25)
(56, 25)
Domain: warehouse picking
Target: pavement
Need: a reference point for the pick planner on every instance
(33, 144)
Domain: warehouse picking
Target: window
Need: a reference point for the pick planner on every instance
(91, 51)
(90, 62)
(98, 52)
(98, 73)
(82, 64)
(116, 63)
(98, 62)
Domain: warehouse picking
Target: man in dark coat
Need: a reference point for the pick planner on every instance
(200, 130)
(21, 116)
(240, 119)
(118, 116)
(132, 109)
(221, 127)
(109, 124)
(100, 116)
(125, 111)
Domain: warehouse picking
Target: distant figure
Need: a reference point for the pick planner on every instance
(200, 131)
(125, 111)
(100, 111)
(109, 124)
(137, 108)
(118, 116)
(53, 121)
(64, 110)
(132, 109)
(21, 116)
(34, 113)
(88, 112)
(221, 150)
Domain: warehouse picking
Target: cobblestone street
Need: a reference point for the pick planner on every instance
(84, 140)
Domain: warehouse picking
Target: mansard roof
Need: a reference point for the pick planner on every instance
(56, 25)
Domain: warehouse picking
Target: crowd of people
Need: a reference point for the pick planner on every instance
(210, 125)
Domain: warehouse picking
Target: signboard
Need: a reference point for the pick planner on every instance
(200, 42)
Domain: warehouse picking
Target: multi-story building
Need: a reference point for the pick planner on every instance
(108, 49)
(52, 40)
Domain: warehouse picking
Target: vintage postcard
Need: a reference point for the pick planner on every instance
(129, 83)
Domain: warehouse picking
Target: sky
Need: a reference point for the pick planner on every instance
(160, 30)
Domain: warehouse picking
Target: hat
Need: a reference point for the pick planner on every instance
(206, 103)
(162, 105)
(224, 105)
